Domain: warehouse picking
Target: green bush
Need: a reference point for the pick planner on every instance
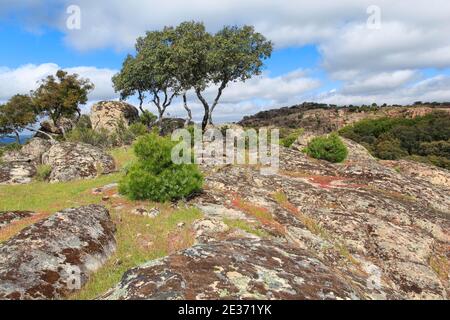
(425, 138)
(147, 118)
(290, 138)
(43, 172)
(138, 129)
(99, 138)
(329, 148)
(155, 177)
(103, 138)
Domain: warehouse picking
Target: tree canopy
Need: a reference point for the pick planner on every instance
(61, 96)
(175, 60)
(16, 115)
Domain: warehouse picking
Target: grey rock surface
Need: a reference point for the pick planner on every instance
(56, 256)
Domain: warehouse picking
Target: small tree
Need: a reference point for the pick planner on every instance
(236, 54)
(190, 50)
(131, 80)
(153, 176)
(61, 96)
(16, 115)
(150, 72)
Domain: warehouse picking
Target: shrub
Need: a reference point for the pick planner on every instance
(424, 138)
(390, 150)
(138, 129)
(329, 148)
(290, 138)
(147, 118)
(99, 138)
(4, 148)
(43, 172)
(155, 177)
(104, 139)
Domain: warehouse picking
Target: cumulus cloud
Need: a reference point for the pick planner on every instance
(381, 65)
(238, 98)
(430, 89)
(25, 78)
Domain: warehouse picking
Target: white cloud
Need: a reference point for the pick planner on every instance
(369, 65)
(378, 83)
(278, 89)
(25, 78)
(430, 89)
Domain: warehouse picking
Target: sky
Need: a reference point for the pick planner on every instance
(338, 52)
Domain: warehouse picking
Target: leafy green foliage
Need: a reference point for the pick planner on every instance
(43, 172)
(172, 61)
(425, 139)
(147, 118)
(155, 177)
(16, 115)
(288, 140)
(104, 139)
(61, 96)
(329, 148)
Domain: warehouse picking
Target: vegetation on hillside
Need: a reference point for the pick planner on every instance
(425, 139)
(329, 148)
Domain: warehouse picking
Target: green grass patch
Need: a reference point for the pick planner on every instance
(42, 196)
(139, 240)
(245, 226)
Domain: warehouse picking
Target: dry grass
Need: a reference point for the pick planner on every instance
(140, 239)
(314, 227)
(259, 213)
(440, 266)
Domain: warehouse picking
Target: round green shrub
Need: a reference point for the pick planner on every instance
(329, 148)
(155, 177)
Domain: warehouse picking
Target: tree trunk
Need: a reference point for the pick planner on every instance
(189, 118)
(141, 101)
(17, 137)
(216, 100)
(52, 140)
(205, 121)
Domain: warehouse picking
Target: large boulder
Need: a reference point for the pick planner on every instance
(237, 269)
(108, 115)
(49, 128)
(55, 257)
(16, 172)
(70, 161)
(32, 151)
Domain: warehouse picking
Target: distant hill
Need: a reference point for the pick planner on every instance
(324, 118)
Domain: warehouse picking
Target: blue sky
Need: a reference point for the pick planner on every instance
(340, 53)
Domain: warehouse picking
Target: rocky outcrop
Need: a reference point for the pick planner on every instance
(372, 231)
(238, 269)
(32, 152)
(50, 129)
(435, 175)
(109, 114)
(6, 218)
(70, 161)
(16, 172)
(56, 256)
(322, 119)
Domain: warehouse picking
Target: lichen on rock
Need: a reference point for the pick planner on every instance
(56, 256)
